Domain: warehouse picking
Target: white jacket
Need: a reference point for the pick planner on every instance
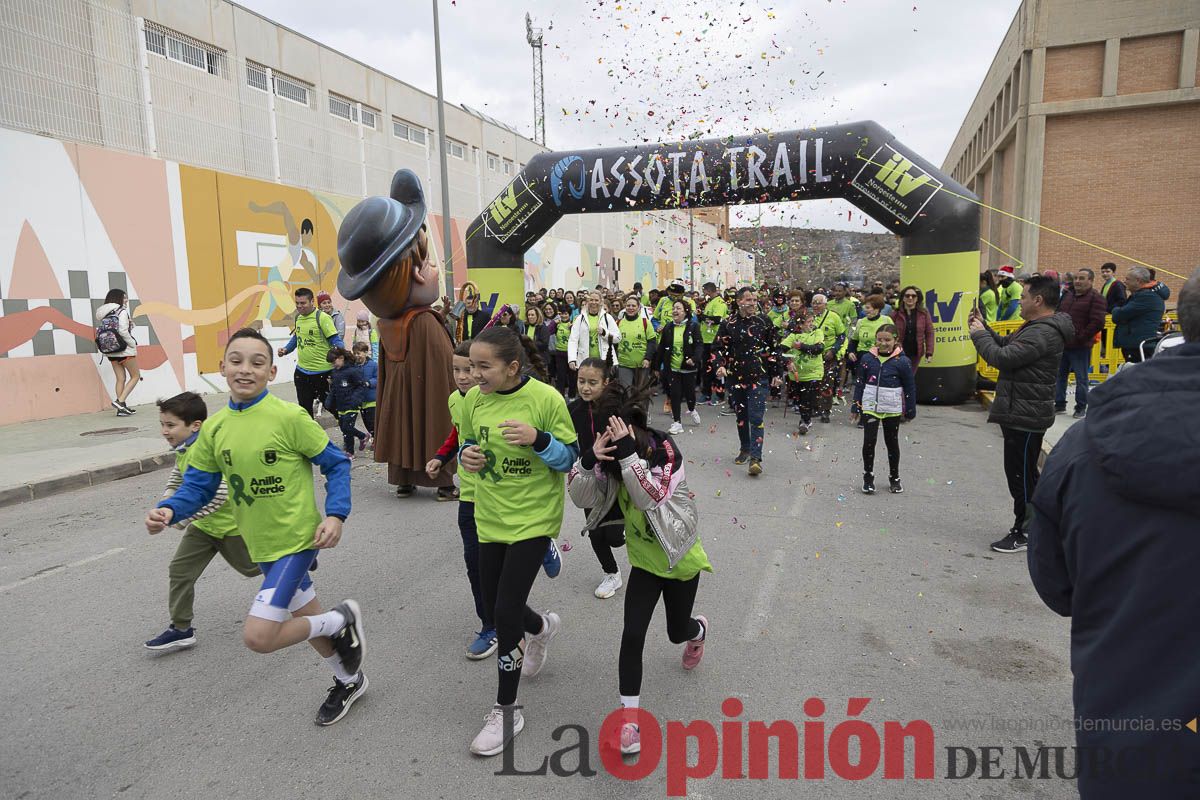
(124, 327)
(579, 345)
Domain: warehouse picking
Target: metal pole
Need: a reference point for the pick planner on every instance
(447, 251)
(274, 127)
(692, 246)
(147, 100)
(362, 151)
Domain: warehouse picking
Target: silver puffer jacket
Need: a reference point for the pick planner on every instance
(661, 492)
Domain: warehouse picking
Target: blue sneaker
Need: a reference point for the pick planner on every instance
(552, 561)
(483, 646)
(172, 639)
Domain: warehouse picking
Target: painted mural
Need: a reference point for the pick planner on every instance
(200, 254)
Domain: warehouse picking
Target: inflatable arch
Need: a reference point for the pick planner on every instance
(934, 216)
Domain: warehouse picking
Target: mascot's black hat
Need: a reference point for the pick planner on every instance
(376, 231)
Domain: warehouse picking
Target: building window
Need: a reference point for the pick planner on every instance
(347, 109)
(416, 135)
(493, 162)
(408, 131)
(184, 49)
(286, 87)
(456, 149)
(370, 118)
(508, 167)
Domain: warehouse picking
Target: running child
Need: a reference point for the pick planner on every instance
(485, 640)
(641, 472)
(210, 531)
(805, 347)
(347, 393)
(884, 395)
(604, 531)
(516, 436)
(264, 448)
(370, 370)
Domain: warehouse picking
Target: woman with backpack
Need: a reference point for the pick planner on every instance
(114, 340)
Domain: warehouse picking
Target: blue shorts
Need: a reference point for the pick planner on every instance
(286, 586)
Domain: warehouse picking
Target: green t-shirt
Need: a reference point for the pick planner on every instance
(844, 308)
(988, 301)
(562, 336)
(778, 317)
(635, 333)
(646, 553)
(804, 367)
(864, 335)
(312, 341)
(517, 496)
(677, 347)
(1010, 293)
(264, 454)
(662, 312)
(218, 524)
(715, 308)
(593, 323)
(832, 326)
(466, 480)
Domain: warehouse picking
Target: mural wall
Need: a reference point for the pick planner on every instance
(201, 254)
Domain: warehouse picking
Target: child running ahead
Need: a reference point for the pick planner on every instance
(264, 448)
(885, 393)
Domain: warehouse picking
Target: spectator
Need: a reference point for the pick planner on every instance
(1113, 291)
(1024, 405)
(364, 331)
(124, 362)
(473, 320)
(1160, 288)
(989, 296)
(1010, 295)
(1138, 319)
(1113, 546)
(325, 303)
(914, 327)
(1086, 308)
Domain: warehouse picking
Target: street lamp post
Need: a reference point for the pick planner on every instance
(447, 245)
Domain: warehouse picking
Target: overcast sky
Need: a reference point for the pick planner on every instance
(670, 69)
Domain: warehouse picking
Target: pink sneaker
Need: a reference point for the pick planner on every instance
(694, 651)
(631, 739)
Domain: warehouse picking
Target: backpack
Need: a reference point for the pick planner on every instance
(108, 334)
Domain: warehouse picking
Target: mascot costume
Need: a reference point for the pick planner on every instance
(384, 247)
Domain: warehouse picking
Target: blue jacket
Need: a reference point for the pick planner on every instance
(370, 371)
(1138, 319)
(896, 372)
(347, 388)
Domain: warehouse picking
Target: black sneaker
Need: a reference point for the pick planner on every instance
(405, 490)
(1060, 409)
(445, 493)
(350, 642)
(824, 418)
(755, 467)
(341, 697)
(1080, 413)
(868, 483)
(742, 458)
(122, 411)
(1014, 542)
(894, 486)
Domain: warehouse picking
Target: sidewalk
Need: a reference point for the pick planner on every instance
(58, 455)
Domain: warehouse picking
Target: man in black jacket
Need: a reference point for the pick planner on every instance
(1024, 404)
(1113, 545)
(748, 359)
(474, 319)
(1086, 308)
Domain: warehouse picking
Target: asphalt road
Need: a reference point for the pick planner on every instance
(819, 591)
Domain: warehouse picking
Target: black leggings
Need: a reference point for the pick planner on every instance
(564, 376)
(609, 533)
(803, 394)
(350, 432)
(641, 596)
(368, 415)
(506, 574)
(683, 389)
(891, 437)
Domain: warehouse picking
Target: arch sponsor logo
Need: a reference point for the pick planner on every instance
(896, 184)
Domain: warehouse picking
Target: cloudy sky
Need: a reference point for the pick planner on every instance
(663, 70)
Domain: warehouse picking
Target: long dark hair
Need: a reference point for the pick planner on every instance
(511, 346)
(630, 403)
(115, 296)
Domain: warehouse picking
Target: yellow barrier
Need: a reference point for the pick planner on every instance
(1106, 359)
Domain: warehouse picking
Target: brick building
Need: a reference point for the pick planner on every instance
(1088, 122)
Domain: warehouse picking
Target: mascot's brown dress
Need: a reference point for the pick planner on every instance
(383, 244)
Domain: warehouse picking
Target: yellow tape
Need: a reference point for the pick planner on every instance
(1016, 261)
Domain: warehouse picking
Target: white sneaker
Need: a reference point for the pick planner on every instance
(491, 740)
(608, 587)
(695, 414)
(535, 645)
(675, 429)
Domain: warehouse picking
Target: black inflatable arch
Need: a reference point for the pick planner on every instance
(934, 216)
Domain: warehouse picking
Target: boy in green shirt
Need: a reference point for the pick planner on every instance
(264, 449)
(210, 531)
(715, 310)
(804, 349)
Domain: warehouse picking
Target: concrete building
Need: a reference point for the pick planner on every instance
(1088, 123)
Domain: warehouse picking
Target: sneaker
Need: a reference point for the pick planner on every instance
(350, 642)
(483, 646)
(445, 493)
(1079, 413)
(493, 738)
(675, 429)
(755, 467)
(894, 486)
(536, 643)
(405, 490)
(868, 486)
(694, 651)
(552, 560)
(124, 412)
(714, 402)
(631, 739)
(695, 415)
(824, 418)
(742, 458)
(172, 639)
(1060, 409)
(1014, 542)
(341, 697)
(804, 428)
(609, 586)
(116, 404)
(371, 443)
(727, 412)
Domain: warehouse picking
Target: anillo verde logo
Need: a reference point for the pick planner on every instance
(895, 175)
(238, 484)
(489, 469)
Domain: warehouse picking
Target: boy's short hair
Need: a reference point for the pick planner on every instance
(303, 291)
(186, 406)
(338, 352)
(361, 347)
(463, 348)
(250, 333)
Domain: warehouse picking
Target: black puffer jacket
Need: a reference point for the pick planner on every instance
(1028, 363)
